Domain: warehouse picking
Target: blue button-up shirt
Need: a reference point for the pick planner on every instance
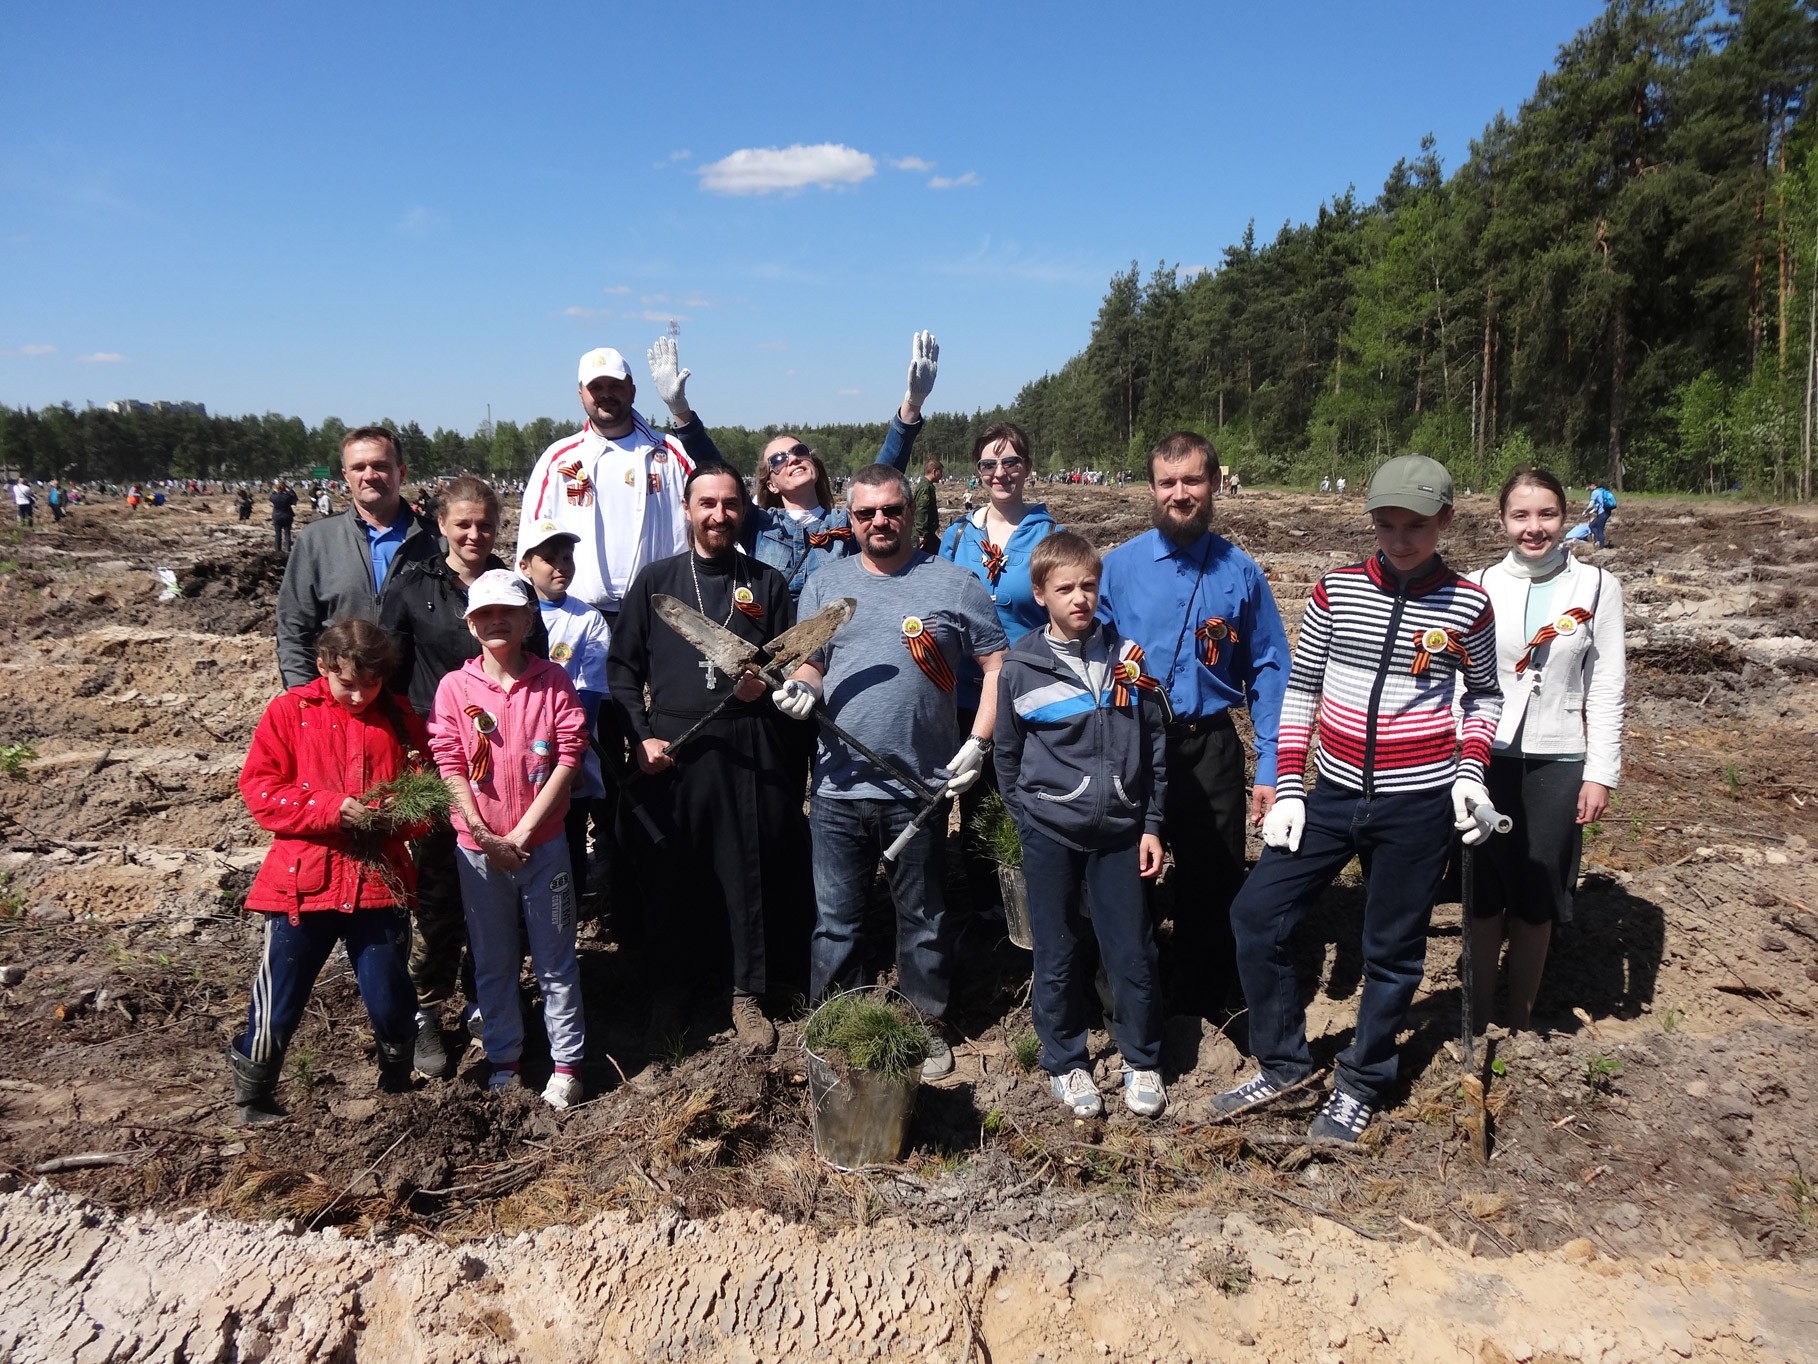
(1158, 594)
(383, 545)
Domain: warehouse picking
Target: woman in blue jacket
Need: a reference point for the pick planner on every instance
(995, 543)
(795, 526)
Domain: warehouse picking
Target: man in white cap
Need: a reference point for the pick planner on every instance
(616, 484)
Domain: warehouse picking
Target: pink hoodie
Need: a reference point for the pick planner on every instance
(541, 726)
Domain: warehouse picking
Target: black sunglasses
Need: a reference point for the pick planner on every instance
(865, 515)
(778, 458)
(1010, 463)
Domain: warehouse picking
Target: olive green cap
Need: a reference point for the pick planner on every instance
(1413, 481)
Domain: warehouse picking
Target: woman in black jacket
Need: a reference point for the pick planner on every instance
(426, 610)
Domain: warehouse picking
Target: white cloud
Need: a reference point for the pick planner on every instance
(697, 303)
(31, 350)
(953, 181)
(652, 315)
(616, 289)
(653, 298)
(912, 163)
(587, 312)
(848, 393)
(672, 158)
(773, 345)
(761, 170)
(419, 222)
(105, 357)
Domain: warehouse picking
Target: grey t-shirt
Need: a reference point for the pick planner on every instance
(874, 687)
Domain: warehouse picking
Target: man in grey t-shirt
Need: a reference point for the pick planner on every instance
(888, 678)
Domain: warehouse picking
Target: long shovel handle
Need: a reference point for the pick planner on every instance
(627, 790)
(878, 760)
(698, 725)
(1467, 975)
(936, 801)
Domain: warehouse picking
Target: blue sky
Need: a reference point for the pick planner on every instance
(412, 211)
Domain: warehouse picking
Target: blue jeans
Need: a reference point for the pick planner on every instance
(1402, 840)
(542, 892)
(378, 945)
(1126, 944)
(849, 838)
(1597, 525)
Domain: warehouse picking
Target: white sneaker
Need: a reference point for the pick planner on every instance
(504, 1079)
(1078, 1094)
(562, 1091)
(1143, 1092)
(939, 1064)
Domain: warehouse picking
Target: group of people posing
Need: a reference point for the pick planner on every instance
(1094, 693)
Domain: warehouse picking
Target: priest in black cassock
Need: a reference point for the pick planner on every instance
(727, 897)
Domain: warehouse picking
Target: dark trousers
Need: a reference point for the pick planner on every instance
(574, 828)
(56, 512)
(280, 531)
(1402, 841)
(1126, 946)
(1203, 818)
(849, 838)
(292, 958)
(978, 870)
(438, 930)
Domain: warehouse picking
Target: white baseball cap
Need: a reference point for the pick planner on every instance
(546, 530)
(498, 587)
(603, 363)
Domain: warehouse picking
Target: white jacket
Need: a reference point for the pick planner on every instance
(623, 498)
(1570, 697)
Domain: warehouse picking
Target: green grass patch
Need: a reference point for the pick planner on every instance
(870, 1034)
(996, 832)
(1027, 1050)
(14, 757)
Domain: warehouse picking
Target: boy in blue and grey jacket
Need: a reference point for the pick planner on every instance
(1080, 751)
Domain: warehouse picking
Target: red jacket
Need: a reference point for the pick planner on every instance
(307, 754)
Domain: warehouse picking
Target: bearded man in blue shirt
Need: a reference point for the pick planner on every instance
(1204, 615)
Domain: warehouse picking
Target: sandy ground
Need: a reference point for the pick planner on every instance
(1650, 1187)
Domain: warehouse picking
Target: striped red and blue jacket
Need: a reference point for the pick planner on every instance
(1374, 674)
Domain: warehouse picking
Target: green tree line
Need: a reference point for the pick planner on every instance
(1618, 282)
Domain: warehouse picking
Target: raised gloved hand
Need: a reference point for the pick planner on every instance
(1467, 796)
(795, 698)
(1285, 822)
(671, 382)
(964, 767)
(924, 363)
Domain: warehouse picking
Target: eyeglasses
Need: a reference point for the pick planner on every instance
(1010, 464)
(893, 512)
(778, 458)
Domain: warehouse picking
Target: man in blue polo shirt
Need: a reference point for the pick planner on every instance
(1207, 623)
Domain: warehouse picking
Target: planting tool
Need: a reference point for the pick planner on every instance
(1478, 1125)
(732, 655)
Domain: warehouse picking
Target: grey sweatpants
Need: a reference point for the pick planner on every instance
(540, 894)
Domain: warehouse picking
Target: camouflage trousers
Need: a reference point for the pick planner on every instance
(438, 931)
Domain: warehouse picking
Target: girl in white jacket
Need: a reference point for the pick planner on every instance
(1558, 746)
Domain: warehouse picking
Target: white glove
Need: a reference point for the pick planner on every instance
(1467, 797)
(671, 383)
(964, 767)
(795, 698)
(924, 363)
(1285, 822)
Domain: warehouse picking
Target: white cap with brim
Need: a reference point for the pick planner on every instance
(498, 587)
(603, 363)
(546, 531)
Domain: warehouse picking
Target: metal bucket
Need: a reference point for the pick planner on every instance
(1015, 890)
(861, 1119)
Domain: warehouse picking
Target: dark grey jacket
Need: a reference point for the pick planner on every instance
(329, 578)
(1088, 773)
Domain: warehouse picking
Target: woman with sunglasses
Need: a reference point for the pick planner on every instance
(796, 525)
(995, 543)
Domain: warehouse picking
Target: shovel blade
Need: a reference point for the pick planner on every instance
(725, 650)
(807, 637)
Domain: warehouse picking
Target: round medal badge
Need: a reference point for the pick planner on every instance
(742, 596)
(485, 722)
(1565, 625)
(1217, 630)
(1129, 669)
(560, 653)
(1434, 641)
(912, 626)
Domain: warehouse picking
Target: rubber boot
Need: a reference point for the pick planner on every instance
(255, 1083)
(394, 1067)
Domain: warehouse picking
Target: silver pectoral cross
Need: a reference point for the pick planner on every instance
(710, 673)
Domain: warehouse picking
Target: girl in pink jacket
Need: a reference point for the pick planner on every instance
(508, 733)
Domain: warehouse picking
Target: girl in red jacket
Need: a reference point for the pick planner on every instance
(316, 749)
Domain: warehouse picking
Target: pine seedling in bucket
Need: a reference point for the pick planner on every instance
(995, 831)
(865, 1052)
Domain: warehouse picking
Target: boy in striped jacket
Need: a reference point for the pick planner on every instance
(1381, 647)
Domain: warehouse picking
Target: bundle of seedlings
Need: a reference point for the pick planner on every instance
(995, 832)
(870, 1032)
(416, 796)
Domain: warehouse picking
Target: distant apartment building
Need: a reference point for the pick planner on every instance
(134, 405)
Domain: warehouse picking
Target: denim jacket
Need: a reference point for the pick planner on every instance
(773, 537)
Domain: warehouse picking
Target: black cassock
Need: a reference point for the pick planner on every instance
(732, 879)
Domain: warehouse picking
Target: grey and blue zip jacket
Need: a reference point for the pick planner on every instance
(1079, 744)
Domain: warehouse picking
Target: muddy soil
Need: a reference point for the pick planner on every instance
(1668, 1129)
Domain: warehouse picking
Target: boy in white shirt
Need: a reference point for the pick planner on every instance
(578, 636)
